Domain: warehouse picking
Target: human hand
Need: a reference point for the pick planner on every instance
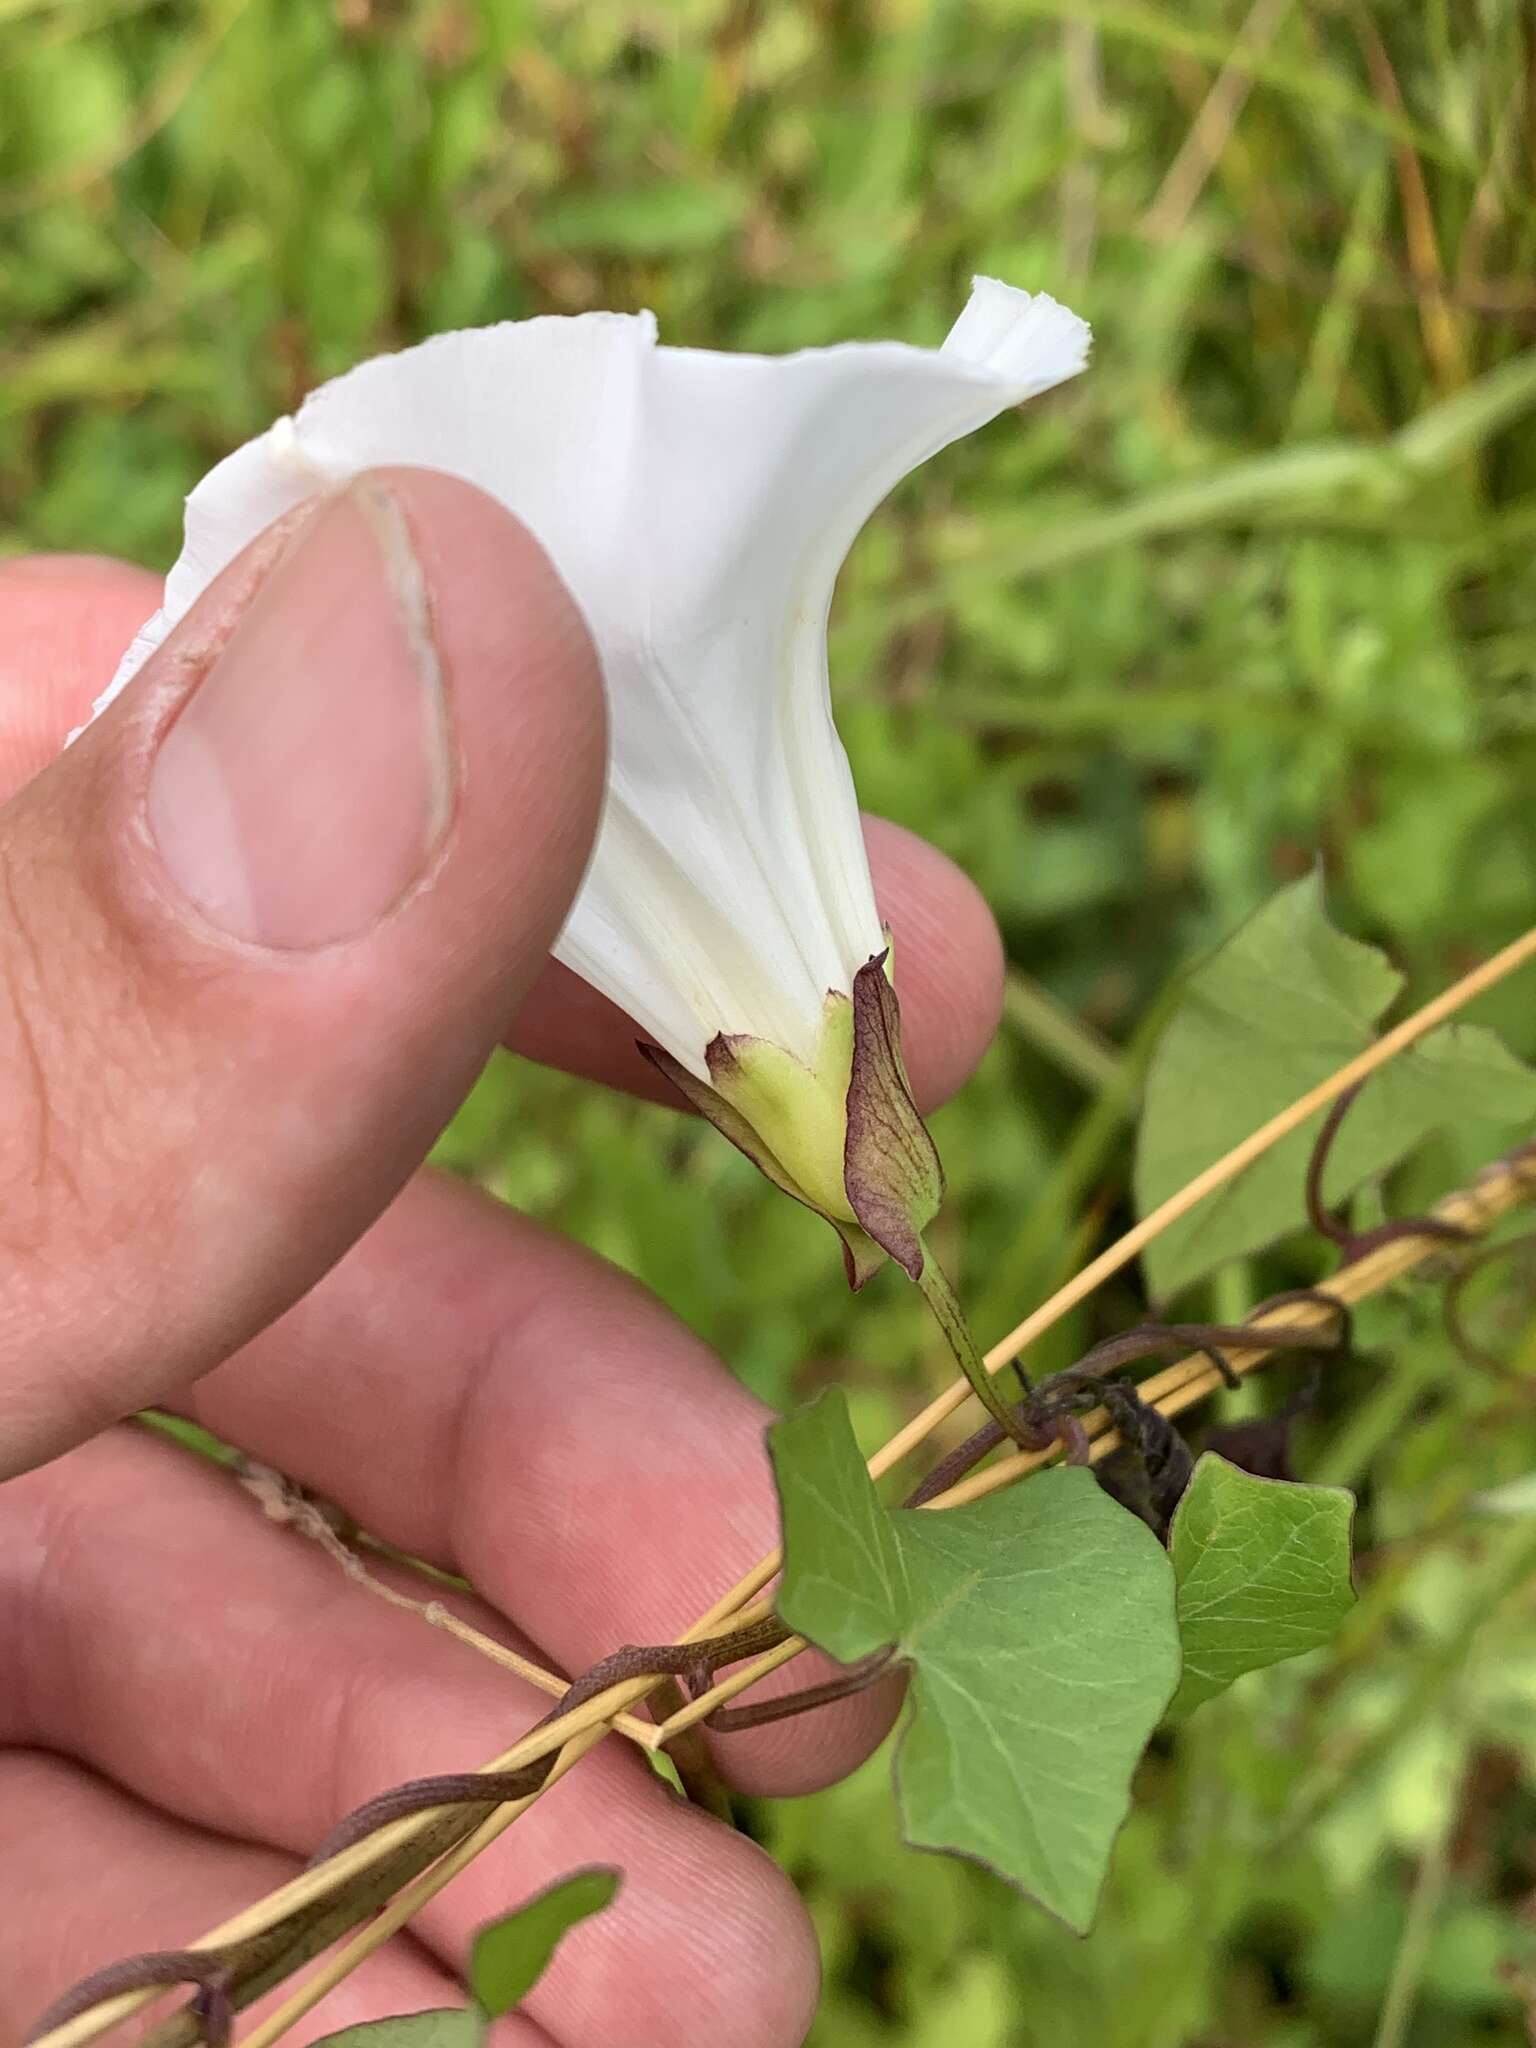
(250, 968)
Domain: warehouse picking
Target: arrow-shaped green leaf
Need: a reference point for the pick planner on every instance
(446, 2027)
(1263, 1573)
(1039, 1629)
(511, 1954)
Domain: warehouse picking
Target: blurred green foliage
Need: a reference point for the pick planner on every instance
(1258, 590)
(1275, 1010)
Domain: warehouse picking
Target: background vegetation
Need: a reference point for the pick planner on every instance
(1256, 592)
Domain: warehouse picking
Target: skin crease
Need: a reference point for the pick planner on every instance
(130, 1576)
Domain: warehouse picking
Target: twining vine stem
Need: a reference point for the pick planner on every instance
(386, 1871)
(1287, 1322)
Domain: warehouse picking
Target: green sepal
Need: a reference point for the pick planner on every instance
(891, 1168)
(798, 1111)
(728, 1121)
(861, 1257)
(842, 1134)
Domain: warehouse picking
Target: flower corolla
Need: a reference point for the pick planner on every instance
(699, 506)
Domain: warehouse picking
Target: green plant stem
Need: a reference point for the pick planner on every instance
(941, 1298)
(1413, 1950)
(1064, 1039)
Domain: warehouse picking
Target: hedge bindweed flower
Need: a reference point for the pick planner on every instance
(699, 507)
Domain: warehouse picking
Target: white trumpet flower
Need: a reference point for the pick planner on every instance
(699, 507)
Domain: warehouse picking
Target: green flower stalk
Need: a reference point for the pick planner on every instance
(842, 1134)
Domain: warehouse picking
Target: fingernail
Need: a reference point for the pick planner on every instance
(303, 788)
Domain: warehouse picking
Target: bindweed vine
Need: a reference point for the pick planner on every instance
(398, 1849)
(1226, 1350)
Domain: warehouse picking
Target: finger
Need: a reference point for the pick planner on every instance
(129, 1567)
(64, 622)
(484, 1393)
(263, 923)
(91, 1874)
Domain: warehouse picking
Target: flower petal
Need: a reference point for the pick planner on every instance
(754, 474)
(537, 412)
(699, 507)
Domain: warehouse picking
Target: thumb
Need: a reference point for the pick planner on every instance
(262, 924)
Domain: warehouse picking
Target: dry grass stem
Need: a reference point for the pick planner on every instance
(282, 1501)
(1128, 1247)
(310, 1887)
(726, 1689)
(408, 1902)
(1501, 1188)
(1211, 129)
(1439, 319)
(640, 1732)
